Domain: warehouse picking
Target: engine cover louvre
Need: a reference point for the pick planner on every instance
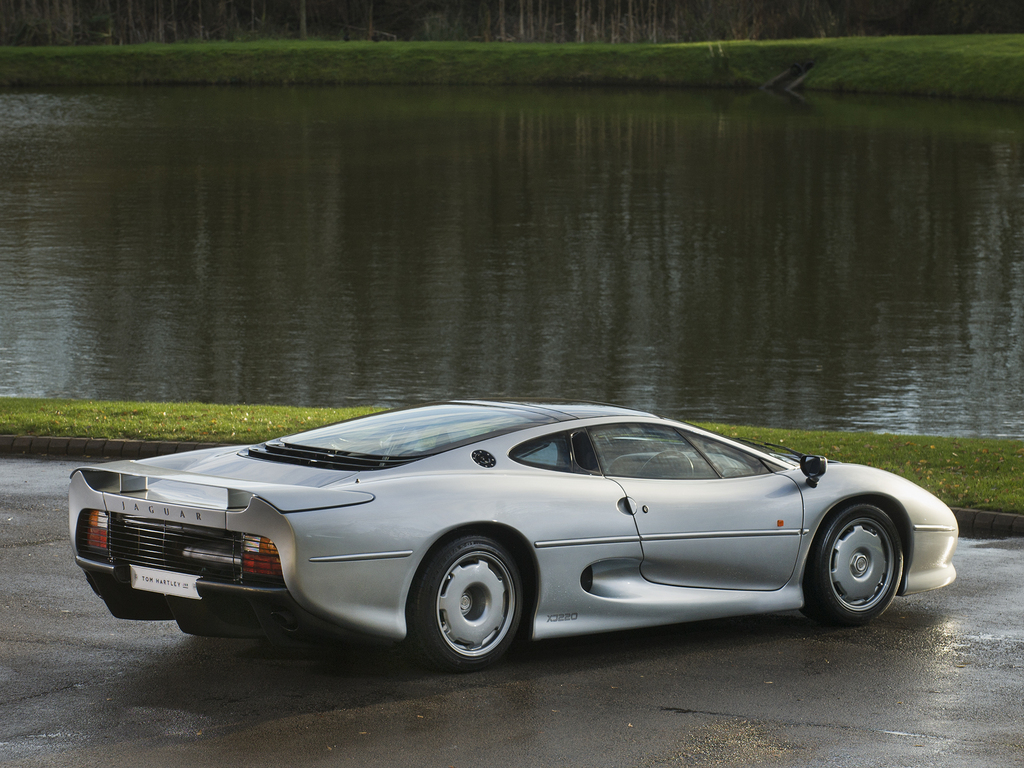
(316, 457)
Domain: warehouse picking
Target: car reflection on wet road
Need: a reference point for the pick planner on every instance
(937, 680)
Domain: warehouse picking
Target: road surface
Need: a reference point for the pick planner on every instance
(938, 680)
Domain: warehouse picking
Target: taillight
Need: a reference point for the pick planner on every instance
(260, 557)
(92, 532)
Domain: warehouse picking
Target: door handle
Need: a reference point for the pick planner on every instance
(627, 506)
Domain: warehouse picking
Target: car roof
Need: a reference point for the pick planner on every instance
(388, 439)
(562, 410)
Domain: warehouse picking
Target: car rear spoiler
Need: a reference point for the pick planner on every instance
(133, 480)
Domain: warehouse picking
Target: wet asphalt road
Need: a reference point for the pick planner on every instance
(937, 681)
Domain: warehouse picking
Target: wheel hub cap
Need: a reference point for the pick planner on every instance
(472, 605)
(861, 565)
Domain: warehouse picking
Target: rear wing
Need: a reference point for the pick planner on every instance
(133, 487)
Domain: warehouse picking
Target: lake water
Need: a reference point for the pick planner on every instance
(850, 263)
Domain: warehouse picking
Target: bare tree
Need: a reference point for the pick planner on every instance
(42, 22)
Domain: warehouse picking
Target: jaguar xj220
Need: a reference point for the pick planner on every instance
(458, 527)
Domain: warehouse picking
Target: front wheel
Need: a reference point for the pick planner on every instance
(466, 606)
(854, 567)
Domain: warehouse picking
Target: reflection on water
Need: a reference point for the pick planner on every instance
(736, 257)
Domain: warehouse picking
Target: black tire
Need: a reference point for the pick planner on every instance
(854, 567)
(466, 606)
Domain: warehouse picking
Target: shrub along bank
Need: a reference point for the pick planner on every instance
(964, 472)
(969, 66)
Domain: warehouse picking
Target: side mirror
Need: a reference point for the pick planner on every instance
(814, 467)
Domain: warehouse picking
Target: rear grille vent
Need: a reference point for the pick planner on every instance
(317, 457)
(189, 549)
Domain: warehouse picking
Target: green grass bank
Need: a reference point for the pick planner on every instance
(966, 66)
(964, 472)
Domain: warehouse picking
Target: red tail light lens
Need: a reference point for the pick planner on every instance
(92, 531)
(260, 557)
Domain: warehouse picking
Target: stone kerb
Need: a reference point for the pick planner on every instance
(99, 448)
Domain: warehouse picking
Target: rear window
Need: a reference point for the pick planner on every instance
(419, 431)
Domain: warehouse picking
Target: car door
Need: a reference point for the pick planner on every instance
(715, 517)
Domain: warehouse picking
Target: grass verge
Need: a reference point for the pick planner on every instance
(179, 422)
(964, 472)
(973, 472)
(973, 66)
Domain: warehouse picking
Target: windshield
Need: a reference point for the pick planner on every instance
(420, 431)
(780, 452)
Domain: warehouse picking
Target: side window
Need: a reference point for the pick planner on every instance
(648, 451)
(729, 461)
(583, 452)
(547, 452)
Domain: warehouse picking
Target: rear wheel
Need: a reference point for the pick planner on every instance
(464, 610)
(854, 566)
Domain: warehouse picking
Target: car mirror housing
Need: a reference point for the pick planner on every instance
(814, 467)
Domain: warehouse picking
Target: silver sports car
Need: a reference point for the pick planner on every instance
(458, 527)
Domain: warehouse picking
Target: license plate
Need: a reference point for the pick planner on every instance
(164, 582)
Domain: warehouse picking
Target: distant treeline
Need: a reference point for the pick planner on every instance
(117, 22)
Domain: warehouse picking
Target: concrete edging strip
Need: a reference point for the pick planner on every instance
(95, 448)
(975, 522)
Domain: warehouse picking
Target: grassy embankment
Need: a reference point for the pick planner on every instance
(964, 472)
(971, 66)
